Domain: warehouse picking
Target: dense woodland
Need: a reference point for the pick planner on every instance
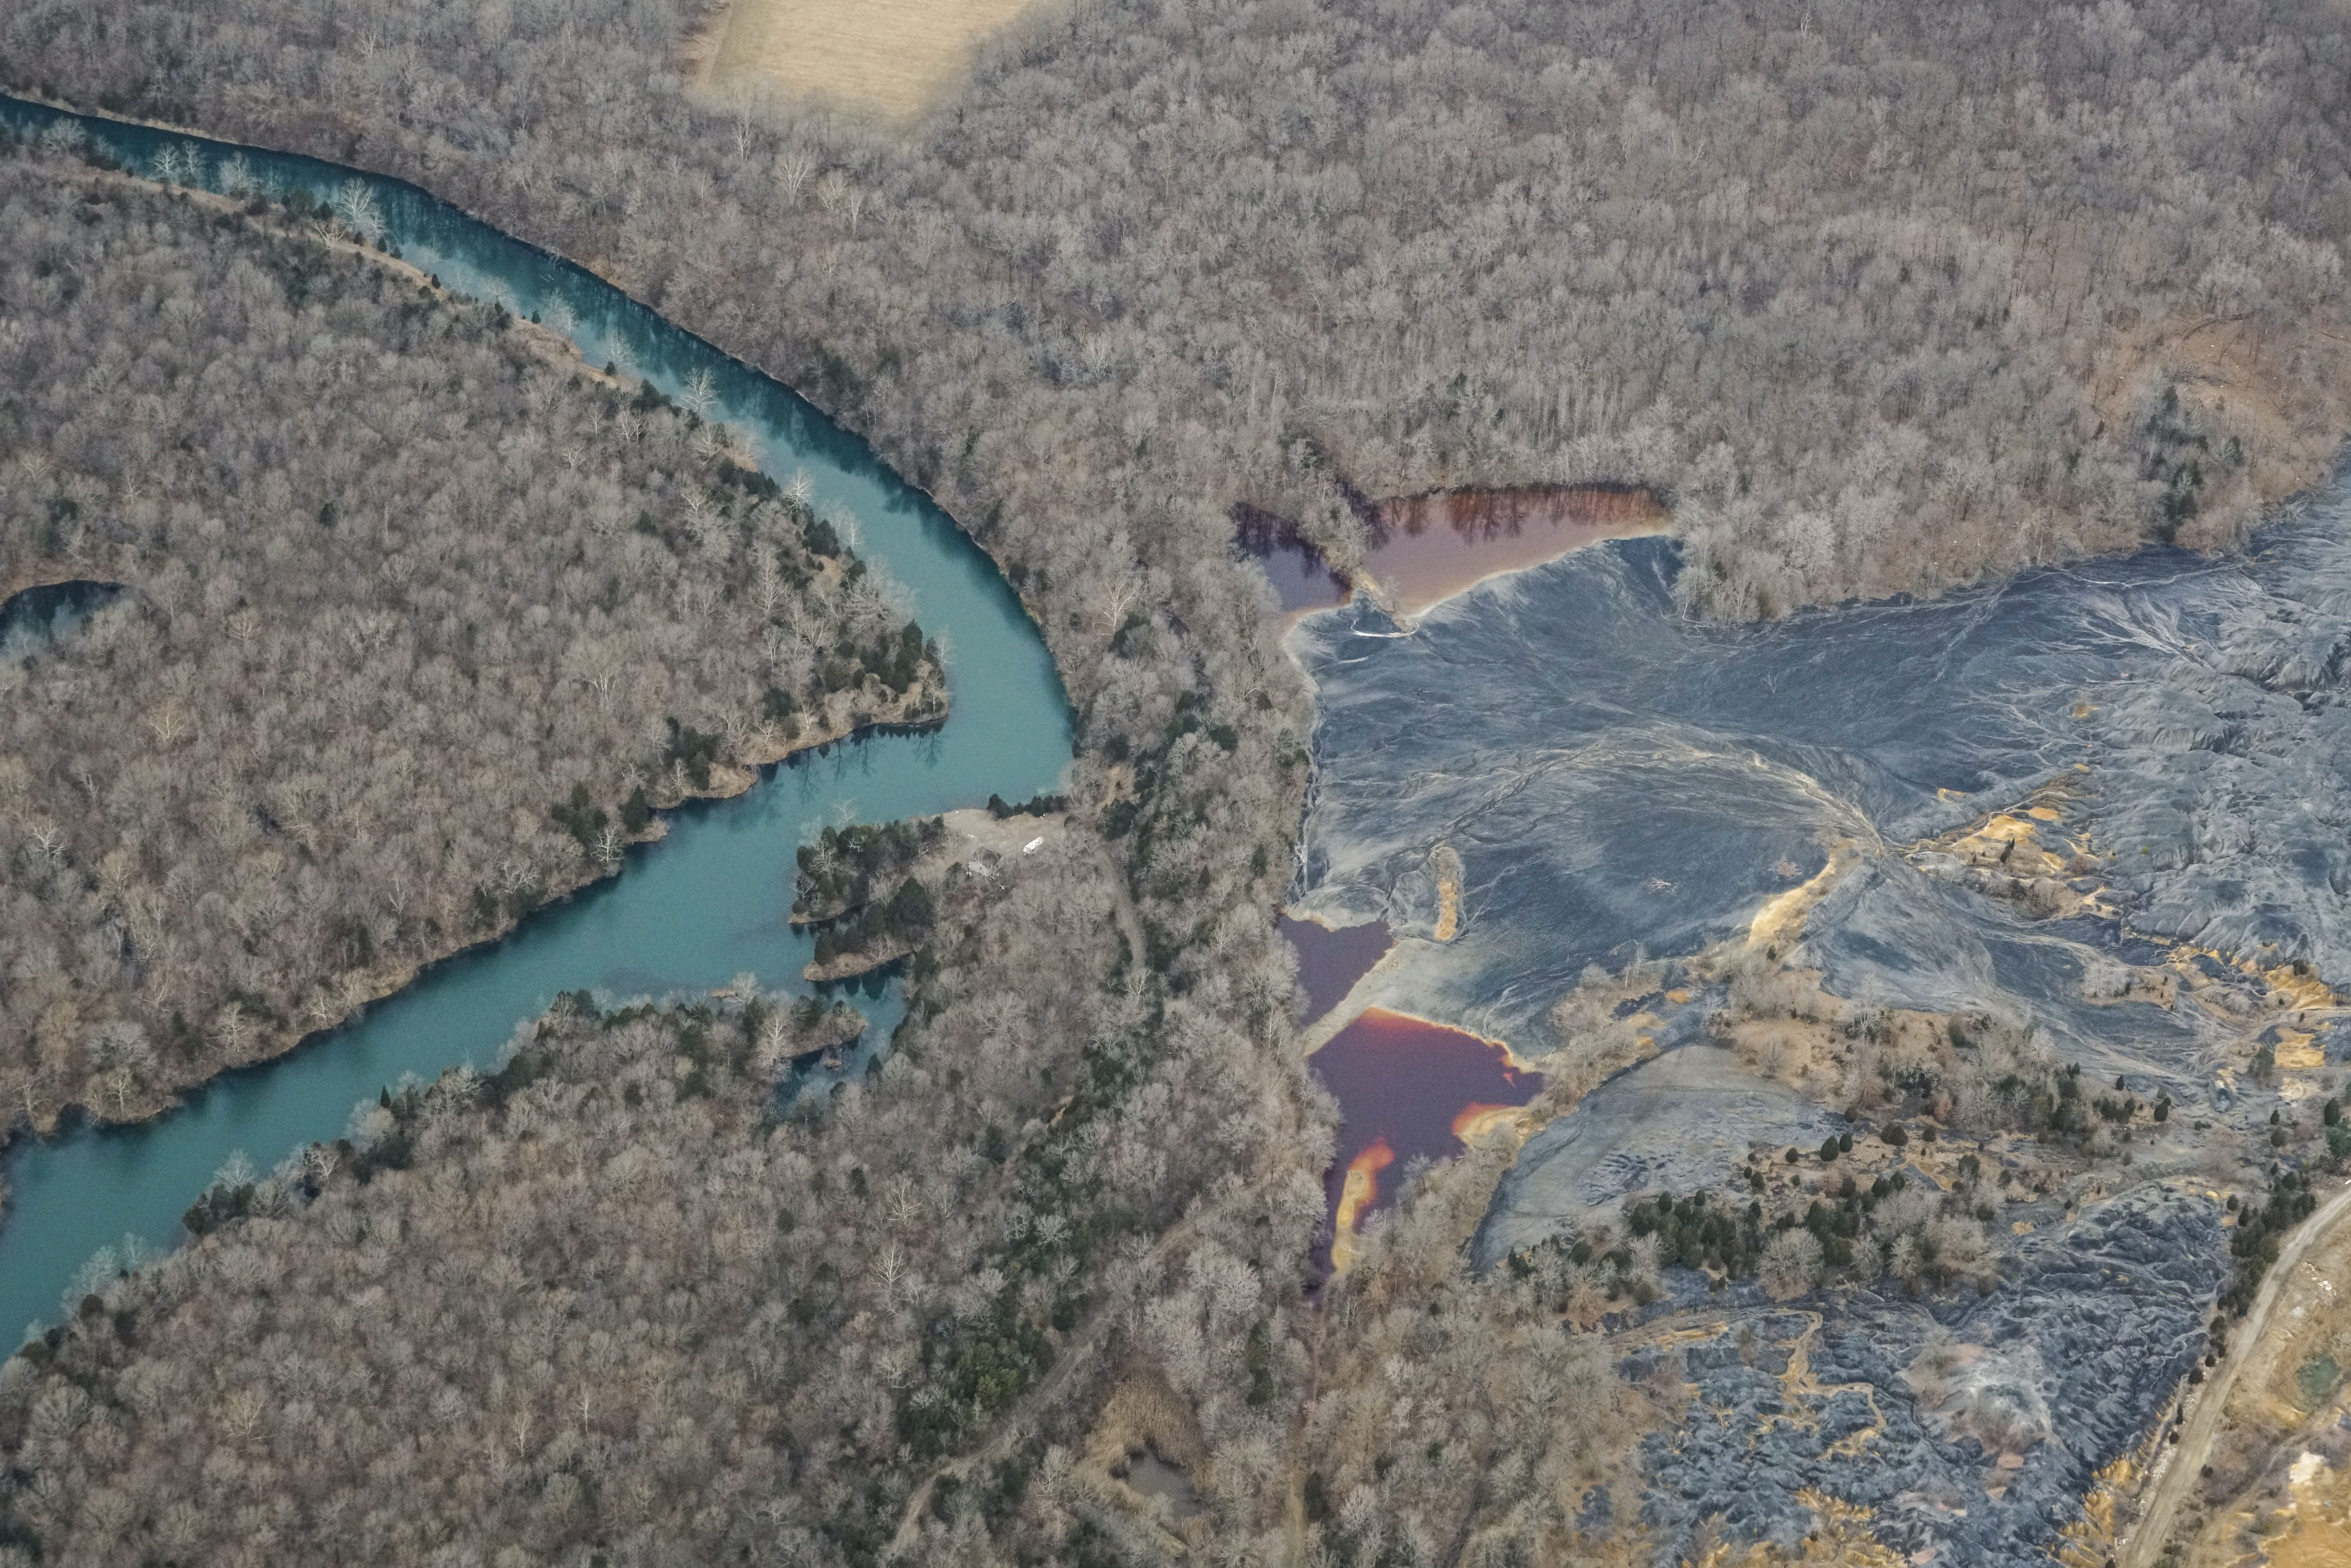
(1883, 295)
(419, 628)
(607, 1299)
(1880, 298)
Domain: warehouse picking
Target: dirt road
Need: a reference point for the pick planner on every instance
(2145, 1542)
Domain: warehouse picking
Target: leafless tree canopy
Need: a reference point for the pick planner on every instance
(411, 608)
(603, 1300)
(1885, 296)
(1880, 297)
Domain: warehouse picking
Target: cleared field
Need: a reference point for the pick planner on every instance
(892, 54)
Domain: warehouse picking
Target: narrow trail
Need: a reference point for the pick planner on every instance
(1122, 899)
(1015, 1422)
(2186, 1462)
(1080, 1350)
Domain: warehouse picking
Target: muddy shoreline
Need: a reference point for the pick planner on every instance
(1418, 550)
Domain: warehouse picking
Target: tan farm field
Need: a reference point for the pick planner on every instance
(892, 54)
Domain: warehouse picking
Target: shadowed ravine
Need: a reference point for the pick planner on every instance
(707, 903)
(33, 617)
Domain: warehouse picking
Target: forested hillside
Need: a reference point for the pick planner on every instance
(1887, 295)
(602, 1300)
(419, 627)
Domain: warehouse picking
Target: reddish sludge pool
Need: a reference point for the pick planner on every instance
(1406, 1088)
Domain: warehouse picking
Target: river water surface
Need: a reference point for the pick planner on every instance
(690, 913)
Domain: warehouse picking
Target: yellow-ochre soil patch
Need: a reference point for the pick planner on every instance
(2091, 1541)
(2026, 856)
(1843, 1538)
(1782, 918)
(1447, 862)
(2317, 1524)
(2238, 382)
(891, 54)
(1357, 1189)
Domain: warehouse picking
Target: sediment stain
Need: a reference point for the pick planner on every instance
(1477, 1120)
(1358, 1190)
(1782, 918)
(1446, 861)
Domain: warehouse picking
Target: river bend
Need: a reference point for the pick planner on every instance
(689, 913)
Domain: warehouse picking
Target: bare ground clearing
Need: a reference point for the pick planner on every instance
(891, 54)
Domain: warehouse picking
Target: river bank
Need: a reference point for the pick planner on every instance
(974, 842)
(265, 710)
(916, 717)
(702, 906)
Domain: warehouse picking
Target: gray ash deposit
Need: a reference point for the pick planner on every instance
(2108, 801)
(1679, 1123)
(1910, 1408)
(1614, 775)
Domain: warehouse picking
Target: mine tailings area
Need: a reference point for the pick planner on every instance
(1329, 961)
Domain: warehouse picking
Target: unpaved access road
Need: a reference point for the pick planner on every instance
(2145, 1543)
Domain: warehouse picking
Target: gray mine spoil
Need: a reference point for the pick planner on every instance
(1617, 779)
(2063, 1367)
(1614, 775)
(1679, 1123)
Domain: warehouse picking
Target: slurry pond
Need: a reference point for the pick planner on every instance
(1330, 962)
(1411, 1090)
(1423, 549)
(690, 913)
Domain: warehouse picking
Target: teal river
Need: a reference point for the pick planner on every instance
(702, 906)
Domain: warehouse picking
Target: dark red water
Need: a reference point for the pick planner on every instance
(1431, 547)
(1330, 962)
(1405, 1088)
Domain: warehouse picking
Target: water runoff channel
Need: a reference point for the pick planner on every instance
(688, 913)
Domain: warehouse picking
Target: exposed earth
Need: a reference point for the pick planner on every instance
(2103, 805)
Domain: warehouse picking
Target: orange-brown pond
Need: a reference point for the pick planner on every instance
(1406, 1089)
(1331, 961)
(1422, 548)
(1431, 547)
